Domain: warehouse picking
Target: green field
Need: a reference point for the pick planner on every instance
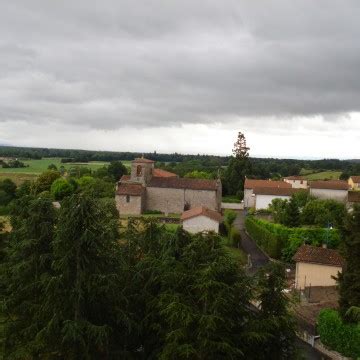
(36, 167)
(324, 175)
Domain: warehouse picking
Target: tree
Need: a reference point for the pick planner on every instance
(278, 208)
(7, 191)
(275, 313)
(45, 180)
(61, 188)
(198, 175)
(349, 279)
(344, 176)
(28, 261)
(83, 296)
(116, 170)
(237, 169)
(52, 167)
(292, 215)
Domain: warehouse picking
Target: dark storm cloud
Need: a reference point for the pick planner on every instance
(110, 64)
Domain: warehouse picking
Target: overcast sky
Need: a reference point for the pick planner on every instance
(182, 75)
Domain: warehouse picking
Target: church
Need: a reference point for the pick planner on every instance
(148, 188)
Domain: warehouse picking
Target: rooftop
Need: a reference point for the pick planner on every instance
(143, 160)
(130, 189)
(163, 173)
(354, 196)
(253, 183)
(201, 211)
(329, 184)
(183, 183)
(318, 255)
(355, 179)
(295, 177)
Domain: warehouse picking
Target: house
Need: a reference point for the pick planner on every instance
(354, 182)
(353, 198)
(265, 195)
(316, 266)
(148, 188)
(329, 189)
(251, 184)
(201, 219)
(297, 182)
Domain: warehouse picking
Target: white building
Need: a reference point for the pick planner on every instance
(251, 184)
(264, 196)
(201, 219)
(297, 182)
(330, 189)
(316, 266)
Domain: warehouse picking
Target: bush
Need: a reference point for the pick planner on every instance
(61, 188)
(229, 218)
(235, 237)
(4, 210)
(339, 336)
(153, 212)
(279, 241)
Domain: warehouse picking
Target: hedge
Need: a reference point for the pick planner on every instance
(341, 337)
(279, 241)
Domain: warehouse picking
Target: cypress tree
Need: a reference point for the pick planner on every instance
(28, 261)
(349, 279)
(292, 214)
(83, 295)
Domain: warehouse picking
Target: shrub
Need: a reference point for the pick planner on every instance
(229, 218)
(153, 212)
(279, 241)
(61, 188)
(235, 237)
(339, 336)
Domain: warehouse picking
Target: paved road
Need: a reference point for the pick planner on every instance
(257, 257)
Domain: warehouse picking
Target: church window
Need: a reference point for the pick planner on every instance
(127, 198)
(138, 170)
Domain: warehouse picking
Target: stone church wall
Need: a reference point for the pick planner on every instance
(133, 207)
(170, 200)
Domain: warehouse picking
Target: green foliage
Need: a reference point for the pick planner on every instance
(339, 336)
(279, 241)
(276, 313)
(235, 237)
(97, 187)
(195, 174)
(24, 189)
(234, 179)
(153, 212)
(28, 261)
(7, 191)
(323, 212)
(116, 170)
(61, 188)
(349, 279)
(278, 209)
(292, 214)
(45, 180)
(229, 218)
(344, 176)
(52, 167)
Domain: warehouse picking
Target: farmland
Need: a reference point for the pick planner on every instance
(324, 175)
(36, 167)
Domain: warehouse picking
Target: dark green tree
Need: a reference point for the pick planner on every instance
(116, 170)
(84, 294)
(238, 167)
(292, 215)
(45, 180)
(349, 279)
(275, 314)
(7, 191)
(28, 260)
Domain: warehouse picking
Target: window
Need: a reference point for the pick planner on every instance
(127, 198)
(138, 170)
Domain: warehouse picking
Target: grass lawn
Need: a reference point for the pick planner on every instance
(231, 199)
(330, 175)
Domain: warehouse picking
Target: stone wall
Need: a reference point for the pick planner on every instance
(133, 207)
(170, 200)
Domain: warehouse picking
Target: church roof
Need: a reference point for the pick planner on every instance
(130, 189)
(163, 173)
(183, 183)
(201, 211)
(143, 160)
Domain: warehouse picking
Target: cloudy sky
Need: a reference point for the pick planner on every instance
(182, 75)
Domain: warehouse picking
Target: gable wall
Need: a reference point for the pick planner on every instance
(133, 207)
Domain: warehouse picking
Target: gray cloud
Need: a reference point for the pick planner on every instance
(113, 64)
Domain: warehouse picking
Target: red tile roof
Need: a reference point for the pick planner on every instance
(253, 183)
(276, 191)
(163, 173)
(130, 189)
(354, 196)
(355, 179)
(142, 160)
(201, 211)
(183, 183)
(329, 184)
(318, 255)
